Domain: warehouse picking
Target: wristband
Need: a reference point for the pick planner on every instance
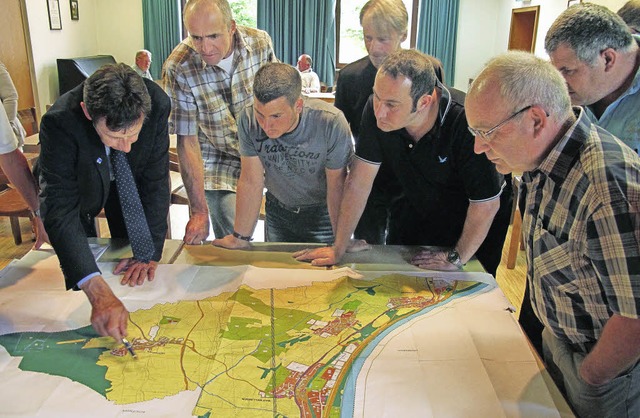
(242, 237)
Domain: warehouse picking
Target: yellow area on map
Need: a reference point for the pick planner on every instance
(81, 340)
(242, 347)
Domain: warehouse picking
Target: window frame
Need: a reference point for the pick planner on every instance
(413, 36)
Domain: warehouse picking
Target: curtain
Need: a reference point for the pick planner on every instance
(161, 24)
(437, 30)
(302, 27)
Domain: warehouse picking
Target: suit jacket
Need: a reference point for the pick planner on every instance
(75, 179)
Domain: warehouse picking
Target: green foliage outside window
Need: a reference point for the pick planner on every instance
(244, 12)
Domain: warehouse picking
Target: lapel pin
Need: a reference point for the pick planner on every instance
(99, 160)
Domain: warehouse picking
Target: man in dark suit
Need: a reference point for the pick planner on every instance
(114, 110)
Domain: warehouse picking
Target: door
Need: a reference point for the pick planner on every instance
(524, 28)
(13, 51)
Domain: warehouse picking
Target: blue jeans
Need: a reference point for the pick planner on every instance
(222, 211)
(297, 224)
(620, 398)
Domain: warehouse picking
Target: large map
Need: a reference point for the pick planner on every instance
(244, 341)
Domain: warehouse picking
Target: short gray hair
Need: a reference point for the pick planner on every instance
(308, 57)
(413, 65)
(588, 29)
(222, 5)
(276, 79)
(143, 52)
(524, 80)
(386, 15)
(630, 13)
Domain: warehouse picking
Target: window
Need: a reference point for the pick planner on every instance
(245, 12)
(350, 41)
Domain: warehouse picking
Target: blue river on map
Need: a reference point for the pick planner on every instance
(348, 397)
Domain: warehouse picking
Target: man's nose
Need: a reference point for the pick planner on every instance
(479, 145)
(376, 45)
(125, 146)
(266, 124)
(207, 44)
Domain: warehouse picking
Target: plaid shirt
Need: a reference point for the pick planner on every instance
(205, 101)
(583, 222)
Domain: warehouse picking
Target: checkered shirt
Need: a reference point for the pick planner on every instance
(583, 231)
(205, 101)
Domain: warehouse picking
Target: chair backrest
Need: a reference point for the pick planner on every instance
(29, 120)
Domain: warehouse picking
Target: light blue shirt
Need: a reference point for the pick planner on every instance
(145, 74)
(622, 117)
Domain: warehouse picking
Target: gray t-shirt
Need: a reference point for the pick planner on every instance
(295, 163)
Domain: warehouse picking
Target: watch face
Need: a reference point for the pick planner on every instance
(454, 258)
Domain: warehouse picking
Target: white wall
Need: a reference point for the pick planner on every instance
(107, 27)
(114, 27)
(483, 31)
(120, 33)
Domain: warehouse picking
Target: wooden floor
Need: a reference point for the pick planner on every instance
(511, 281)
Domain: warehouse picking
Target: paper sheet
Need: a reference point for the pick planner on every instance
(224, 340)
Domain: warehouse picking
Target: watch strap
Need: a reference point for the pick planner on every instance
(242, 237)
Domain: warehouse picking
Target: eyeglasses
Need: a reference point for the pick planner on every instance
(486, 134)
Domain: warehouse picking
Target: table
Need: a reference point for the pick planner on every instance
(247, 304)
(327, 97)
(32, 144)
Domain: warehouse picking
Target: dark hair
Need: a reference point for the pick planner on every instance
(588, 29)
(276, 79)
(118, 94)
(413, 65)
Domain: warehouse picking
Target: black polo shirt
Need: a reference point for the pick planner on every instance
(439, 175)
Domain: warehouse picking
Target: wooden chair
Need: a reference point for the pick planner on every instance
(515, 241)
(29, 120)
(13, 205)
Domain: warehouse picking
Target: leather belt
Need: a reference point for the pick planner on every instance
(294, 209)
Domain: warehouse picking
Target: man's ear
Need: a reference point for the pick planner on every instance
(298, 105)
(610, 56)
(84, 110)
(426, 100)
(540, 120)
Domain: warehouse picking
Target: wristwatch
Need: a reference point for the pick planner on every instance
(242, 237)
(454, 258)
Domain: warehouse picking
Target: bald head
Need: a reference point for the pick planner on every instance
(207, 7)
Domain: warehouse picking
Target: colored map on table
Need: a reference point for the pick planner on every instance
(251, 352)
